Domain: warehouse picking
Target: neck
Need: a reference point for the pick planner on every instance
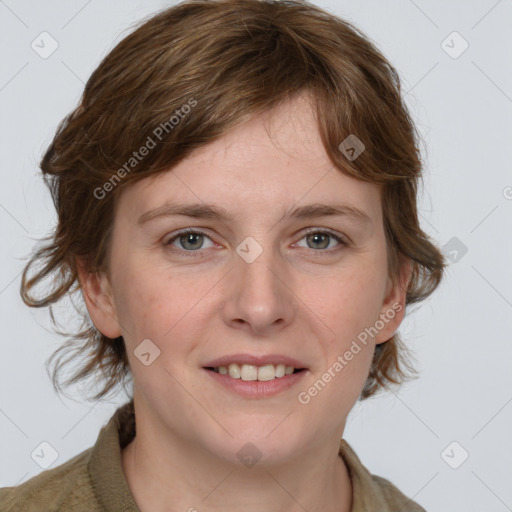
(167, 473)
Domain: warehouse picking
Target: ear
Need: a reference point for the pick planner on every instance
(97, 294)
(393, 308)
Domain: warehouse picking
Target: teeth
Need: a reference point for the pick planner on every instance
(250, 372)
(234, 371)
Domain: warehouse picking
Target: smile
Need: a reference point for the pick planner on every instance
(249, 372)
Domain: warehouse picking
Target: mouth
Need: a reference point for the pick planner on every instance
(256, 382)
(249, 372)
(256, 376)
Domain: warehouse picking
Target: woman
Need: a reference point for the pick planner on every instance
(236, 195)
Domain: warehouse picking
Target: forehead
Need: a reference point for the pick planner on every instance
(272, 162)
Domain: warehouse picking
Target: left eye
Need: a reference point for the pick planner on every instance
(321, 240)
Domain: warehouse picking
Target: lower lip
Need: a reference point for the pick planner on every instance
(256, 388)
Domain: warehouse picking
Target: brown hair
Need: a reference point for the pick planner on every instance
(226, 61)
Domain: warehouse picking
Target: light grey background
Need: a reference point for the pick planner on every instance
(461, 336)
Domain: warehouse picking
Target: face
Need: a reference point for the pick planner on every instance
(279, 277)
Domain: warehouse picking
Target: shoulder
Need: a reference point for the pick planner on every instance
(372, 493)
(394, 498)
(64, 488)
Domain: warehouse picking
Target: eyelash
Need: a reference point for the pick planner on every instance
(343, 241)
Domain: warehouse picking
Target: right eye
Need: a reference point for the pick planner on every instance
(188, 240)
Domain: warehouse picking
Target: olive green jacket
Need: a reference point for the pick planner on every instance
(93, 480)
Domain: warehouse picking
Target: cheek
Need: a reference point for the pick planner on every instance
(160, 305)
(348, 301)
(349, 310)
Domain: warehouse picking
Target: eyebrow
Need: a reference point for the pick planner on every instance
(209, 211)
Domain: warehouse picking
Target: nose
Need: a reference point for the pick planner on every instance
(259, 295)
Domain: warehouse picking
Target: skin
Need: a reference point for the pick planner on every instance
(294, 299)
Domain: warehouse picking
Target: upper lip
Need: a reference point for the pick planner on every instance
(274, 359)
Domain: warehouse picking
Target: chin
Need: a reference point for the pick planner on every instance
(262, 443)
